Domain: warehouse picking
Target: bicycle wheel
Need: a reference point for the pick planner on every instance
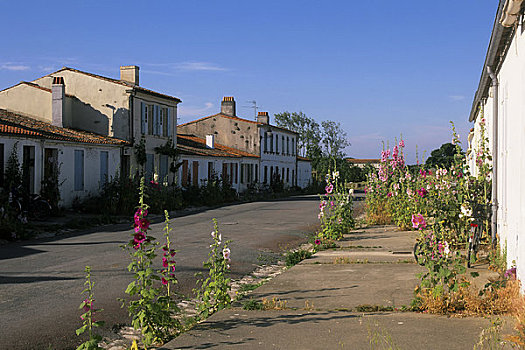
(40, 209)
(417, 256)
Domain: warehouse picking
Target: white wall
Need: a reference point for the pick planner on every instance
(66, 161)
(511, 151)
(304, 173)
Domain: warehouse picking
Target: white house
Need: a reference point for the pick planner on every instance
(204, 159)
(84, 160)
(500, 104)
(118, 108)
(275, 147)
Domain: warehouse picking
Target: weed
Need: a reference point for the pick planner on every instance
(249, 287)
(274, 304)
(490, 338)
(295, 257)
(379, 338)
(308, 305)
(373, 308)
(253, 305)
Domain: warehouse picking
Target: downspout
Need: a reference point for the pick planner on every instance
(494, 154)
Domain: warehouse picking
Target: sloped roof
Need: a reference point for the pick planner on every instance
(33, 85)
(119, 82)
(193, 145)
(304, 159)
(14, 124)
(238, 119)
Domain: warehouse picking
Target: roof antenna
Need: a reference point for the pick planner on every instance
(255, 108)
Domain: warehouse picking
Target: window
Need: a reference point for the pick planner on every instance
(265, 143)
(185, 175)
(210, 170)
(256, 173)
(163, 168)
(282, 145)
(155, 120)
(287, 174)
(276, 144)
(103, 167)
(293, 147)
(79, 170)
(293, 179)
(271, 143)
(242, 172)
(287, 145)
(144, 118)
(195, 173)
(265, 174)
(150, 166)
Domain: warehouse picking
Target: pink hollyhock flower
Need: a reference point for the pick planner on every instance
(422, 192)
(389, 194)
(418, 221)
(322, 205)
(164, 262)
(317, 241)
(329, 188)
(172, 253)
(402, 143)
(164, 281)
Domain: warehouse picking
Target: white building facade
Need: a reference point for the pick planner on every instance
(499, 103)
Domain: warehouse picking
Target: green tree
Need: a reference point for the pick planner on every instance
(334, 139)
(443, 156)
(308, 130)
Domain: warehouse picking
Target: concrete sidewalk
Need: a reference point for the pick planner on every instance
(335, 300)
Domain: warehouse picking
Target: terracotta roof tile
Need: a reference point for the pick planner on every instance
(17, 124)
(362, 161)
(196, 145)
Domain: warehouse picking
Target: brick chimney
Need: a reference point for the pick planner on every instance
(263, 117)
(210, 141)
(58, 92)
(130, 74)
(228, 106)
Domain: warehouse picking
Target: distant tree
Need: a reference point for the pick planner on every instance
(443, 156)
(308, 130)
(334, 139)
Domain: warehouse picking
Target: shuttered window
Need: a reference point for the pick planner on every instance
(143, 118)
(103, 167)
(79, 170)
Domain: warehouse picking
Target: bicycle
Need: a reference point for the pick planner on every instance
(480, 214)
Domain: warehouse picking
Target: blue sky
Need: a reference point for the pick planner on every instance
(382, 68)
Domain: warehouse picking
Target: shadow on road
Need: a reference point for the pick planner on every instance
(32, 279)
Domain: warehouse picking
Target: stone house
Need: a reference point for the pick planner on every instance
(499, 104)
(275, 147)
(118, 108)
(204, 159)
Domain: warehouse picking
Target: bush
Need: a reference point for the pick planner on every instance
(295, 257)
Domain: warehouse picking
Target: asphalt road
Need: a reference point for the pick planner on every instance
(41, 280)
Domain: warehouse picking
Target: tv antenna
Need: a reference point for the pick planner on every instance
(255, 108)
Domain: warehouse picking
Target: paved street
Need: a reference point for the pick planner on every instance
(345, 298)
(41, 281)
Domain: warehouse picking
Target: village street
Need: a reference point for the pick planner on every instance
(41, 281)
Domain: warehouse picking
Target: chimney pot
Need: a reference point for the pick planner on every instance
(130, 74)
(210, 141)
(228, 106)
(58, 92)
(263, 118)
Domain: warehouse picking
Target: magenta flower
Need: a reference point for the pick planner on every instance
(422, 192)
(164, 281)
(418, 221)
(329, 188)
(322, 205)
(164, 262)
(402, 143)
(317, 241)
(510, 273)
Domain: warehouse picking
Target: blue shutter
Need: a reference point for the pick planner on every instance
(143, 118)
(79, 170)
(156, 124)
(168, 121)
(103, 167)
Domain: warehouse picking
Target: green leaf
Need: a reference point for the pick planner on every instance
(81, 330)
